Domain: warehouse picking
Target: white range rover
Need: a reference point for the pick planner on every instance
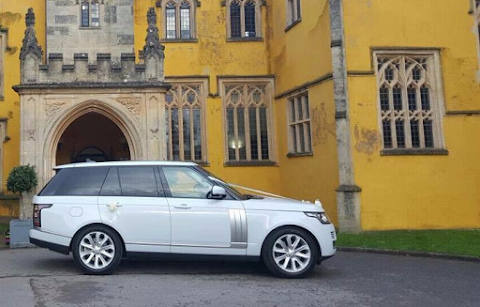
(103, 212)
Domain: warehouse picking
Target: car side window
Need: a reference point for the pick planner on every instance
(81, 181)
(185, 182)
(138, 181)
(111, 186)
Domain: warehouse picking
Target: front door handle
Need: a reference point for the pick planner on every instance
(183, 206)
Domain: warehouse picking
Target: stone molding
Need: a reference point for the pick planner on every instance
(131, 103)
(51, 108)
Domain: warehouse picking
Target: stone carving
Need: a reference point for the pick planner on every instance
(132, 104)
(51, 108)
(154, 132)
(152, 42)
(30, 43)
(31, 134)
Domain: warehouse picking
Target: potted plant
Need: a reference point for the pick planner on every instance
(22, 179)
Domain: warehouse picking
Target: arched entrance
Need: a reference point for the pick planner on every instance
(92, 137)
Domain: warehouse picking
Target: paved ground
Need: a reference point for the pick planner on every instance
(36, 277)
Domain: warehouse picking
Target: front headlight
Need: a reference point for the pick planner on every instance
(321, 216)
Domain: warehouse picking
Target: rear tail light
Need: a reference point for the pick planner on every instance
(37, 214)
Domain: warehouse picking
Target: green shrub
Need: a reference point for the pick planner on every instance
(22, 178)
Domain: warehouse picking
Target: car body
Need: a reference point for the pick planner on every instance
(173, 208)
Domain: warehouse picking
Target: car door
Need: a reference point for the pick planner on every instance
(132, 202)
(201, 225)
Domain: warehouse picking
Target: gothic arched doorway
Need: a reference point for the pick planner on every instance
(92, 137)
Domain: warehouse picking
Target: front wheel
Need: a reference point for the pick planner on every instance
(290, 253)
(97, 250)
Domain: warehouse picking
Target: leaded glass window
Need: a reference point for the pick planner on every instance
(293, 11)
(185, 20)
(179, 19)
(409, 101)
(95, 14)
(3, 41)
(243, 17)
(90, 13)
(247, 117)
(85, 12)
(235, 19)
(184, 119)
(170, 17)
(300, 139)
(250, 29)
(477, 14)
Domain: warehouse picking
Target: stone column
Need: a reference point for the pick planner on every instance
(156, 134)
(348, 193)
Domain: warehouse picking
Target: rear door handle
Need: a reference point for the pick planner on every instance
(183, 206)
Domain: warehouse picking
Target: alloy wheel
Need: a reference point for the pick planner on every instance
(291, 253)
(97, 250)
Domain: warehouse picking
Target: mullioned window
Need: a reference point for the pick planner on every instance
(410, 100)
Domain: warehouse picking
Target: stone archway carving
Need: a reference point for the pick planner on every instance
(52, 97)
(65, 116)
(45, 114)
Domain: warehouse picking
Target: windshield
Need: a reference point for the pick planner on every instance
(223, 184)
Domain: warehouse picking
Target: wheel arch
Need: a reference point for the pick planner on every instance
(319, 249)
(97, 224)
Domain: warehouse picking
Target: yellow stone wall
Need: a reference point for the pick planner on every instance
(398, 192)
(417, 192)
(299, 56)
(213, 56)
(12, 16)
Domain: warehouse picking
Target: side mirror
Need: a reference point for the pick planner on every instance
(218, 193)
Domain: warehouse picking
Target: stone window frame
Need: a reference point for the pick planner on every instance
(258, 20)
(293, 13)
(178, 86)
(298, 123)
(3, 48)
(268, 83)
(193, 8)
(433, 81)
(3, 139)
(476, 13)
(90, 3)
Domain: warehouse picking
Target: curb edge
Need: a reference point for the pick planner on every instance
(409, 253)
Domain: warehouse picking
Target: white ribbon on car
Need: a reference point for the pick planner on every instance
(248, 189)
(113, 206)
(317, 201)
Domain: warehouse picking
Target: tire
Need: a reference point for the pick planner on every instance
(93, 258)
(300, 261)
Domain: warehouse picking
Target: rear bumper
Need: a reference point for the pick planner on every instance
(51, 246)
(53, 242)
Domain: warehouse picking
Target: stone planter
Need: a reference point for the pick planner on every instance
(19, 236)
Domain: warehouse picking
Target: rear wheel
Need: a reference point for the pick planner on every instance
(97, 250)
(290, 253)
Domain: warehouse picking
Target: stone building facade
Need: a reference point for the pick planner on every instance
(106, 28)
(324, 99)
(55, 94)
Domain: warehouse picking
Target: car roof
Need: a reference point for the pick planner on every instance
(124, 163)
